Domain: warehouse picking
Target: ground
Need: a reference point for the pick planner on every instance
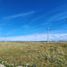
(39, 54)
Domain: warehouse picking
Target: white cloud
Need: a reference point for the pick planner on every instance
(19, 15)
(37, 37)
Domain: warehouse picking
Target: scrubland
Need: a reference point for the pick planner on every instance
(33, 54)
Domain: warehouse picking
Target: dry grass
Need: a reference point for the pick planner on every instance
(39, 53)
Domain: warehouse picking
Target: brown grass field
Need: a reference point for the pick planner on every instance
(36, 54)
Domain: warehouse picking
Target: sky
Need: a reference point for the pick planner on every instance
(33, 20)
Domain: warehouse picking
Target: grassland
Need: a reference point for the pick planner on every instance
(36, 54)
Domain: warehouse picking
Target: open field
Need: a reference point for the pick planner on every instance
(34, 54)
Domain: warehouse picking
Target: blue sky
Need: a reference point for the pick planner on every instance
(30, 19)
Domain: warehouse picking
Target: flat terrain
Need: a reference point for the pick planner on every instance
(36, 54)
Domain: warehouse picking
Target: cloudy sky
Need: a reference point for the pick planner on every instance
(29, 20)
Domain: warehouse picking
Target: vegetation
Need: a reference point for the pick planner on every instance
(33, 54)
